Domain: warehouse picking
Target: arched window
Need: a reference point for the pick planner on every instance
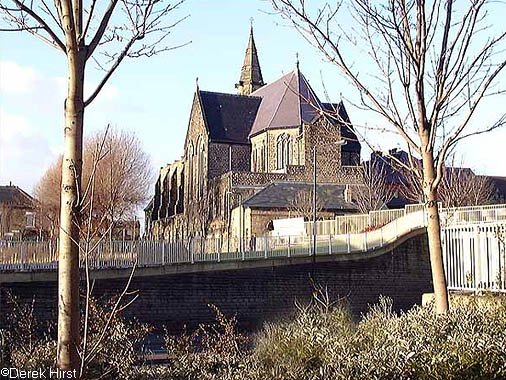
(190, 169)
(264, 160)
(283, 151)
(199, 167)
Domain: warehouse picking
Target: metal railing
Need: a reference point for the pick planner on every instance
(23, 256)
(32, 256)
(475, 256)
(357, 223)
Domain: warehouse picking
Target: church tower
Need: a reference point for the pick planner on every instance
(251, 75)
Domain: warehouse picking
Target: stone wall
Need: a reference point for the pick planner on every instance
(222, 156)
(255, 295)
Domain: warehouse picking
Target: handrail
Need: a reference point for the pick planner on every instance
(33, 256)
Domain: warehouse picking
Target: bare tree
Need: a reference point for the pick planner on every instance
(461, 187)
(302, 204)
(83, 32)
(48, 199)
(375, 192)
(431, 65)
(122, 176)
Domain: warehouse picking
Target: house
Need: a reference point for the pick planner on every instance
(17, 213)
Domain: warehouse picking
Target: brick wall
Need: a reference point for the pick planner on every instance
(256, 295)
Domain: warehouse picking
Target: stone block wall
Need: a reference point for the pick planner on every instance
(219, 158)
(256, 295)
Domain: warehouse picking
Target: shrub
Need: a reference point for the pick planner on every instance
(212, 352)
(467, 343)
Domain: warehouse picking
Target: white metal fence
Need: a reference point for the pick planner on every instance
(475, 256)
(351, 224)
(30, 256)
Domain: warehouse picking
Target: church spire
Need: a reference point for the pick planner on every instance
(251, 75)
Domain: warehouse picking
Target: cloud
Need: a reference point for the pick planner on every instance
(25, 153)
(17, 79)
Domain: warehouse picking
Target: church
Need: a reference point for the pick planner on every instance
(250, 157)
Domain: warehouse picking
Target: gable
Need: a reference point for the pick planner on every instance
(228, 117)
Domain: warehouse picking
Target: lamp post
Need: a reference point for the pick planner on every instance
(338, 143)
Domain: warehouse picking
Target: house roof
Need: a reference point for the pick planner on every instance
(15, 196)
(286, 102)
(229, 117)
(500, 184)
(284, 194)
(343, 120)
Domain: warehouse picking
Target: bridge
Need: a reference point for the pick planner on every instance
(473, 241)
(358, 258)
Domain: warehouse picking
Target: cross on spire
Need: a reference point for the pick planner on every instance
(251, 74)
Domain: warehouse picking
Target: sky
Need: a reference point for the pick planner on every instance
(152, 96)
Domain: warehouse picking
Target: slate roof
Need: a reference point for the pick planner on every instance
(282, 195)
(286, 102)
(347, 132)
(15, 196)
(500, 184)
(229, 117)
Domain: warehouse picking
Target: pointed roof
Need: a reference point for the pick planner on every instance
(287, 102)
(228, 117)
(251, 74)
(16, 196)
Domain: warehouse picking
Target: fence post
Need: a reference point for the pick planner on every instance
(477, 258)
(365, 241)
(190, 248)
(330, 244)
(163, 252)
(348, 248)
(265, 246)
(289, 253)
(381, 237)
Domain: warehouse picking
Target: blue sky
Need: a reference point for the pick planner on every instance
(152, 96)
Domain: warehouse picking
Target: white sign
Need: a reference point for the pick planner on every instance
(289, 227)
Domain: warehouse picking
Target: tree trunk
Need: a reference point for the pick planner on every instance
(434, 232)
(68, 267)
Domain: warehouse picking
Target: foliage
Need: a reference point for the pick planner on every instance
(29, 344)
(216, 351)
(113, 355)
(467, 343)
(320, 342)
(26, 342)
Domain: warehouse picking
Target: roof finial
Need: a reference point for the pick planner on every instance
(251, 19)
(197, 82)
(297, 60)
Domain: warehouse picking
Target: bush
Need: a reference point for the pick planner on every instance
(213, 352)
(467, 343)
(112, 342)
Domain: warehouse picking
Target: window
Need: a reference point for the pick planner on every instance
(30, 219)
(283, 151)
